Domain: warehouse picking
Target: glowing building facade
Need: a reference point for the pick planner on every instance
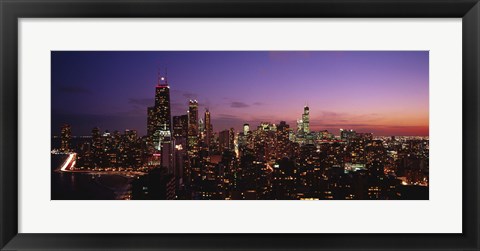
(193, 132)
(159, 125)
(208, 128)
(306, 120)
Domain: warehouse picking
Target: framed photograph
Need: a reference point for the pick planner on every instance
(168, 125)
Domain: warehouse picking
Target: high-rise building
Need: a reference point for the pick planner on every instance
(208, 128)
(306, 120)
(159, 125)
(246, 129)
(193, 126)
(282, 126)
(243, 138)
(96, 139)
(66, 138)
(201, 128)
(179, 159)
(180, 126)
(131, 135)
(300, 127)
(151, 121)
(226, 140)
(159, 118)
(347, 134)
(303, 135)
(283, 141)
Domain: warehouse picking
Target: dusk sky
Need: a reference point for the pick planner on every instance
(384, 92)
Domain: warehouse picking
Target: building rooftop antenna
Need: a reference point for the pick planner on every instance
(166, 79)
(158, 76)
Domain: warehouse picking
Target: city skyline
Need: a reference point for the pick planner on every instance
(270, 157)
(116, 95)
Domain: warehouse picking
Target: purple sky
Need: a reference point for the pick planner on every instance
(384, 92)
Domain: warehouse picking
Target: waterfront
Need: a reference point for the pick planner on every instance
(331, 126)
(86, 186)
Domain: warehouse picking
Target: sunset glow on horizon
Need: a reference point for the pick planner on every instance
(383, 92)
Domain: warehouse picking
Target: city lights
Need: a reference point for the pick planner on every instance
(240, 125)
(184, 158)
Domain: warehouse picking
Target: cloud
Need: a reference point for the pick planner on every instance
(405, 126)
(238, 105)
(74, 89)
(265, 118)
(330, 117)
(344, 125)
(330, 114)
(226, 116)
(225, 121)
(332, 120)
(258, 103)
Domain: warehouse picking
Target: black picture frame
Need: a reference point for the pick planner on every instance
(12, 10)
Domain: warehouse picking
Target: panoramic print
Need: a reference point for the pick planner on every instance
(240, 125)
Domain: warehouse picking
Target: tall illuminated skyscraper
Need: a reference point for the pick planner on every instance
(201, 128)
(208, 128)
(159, 126)
(306, 120)
(193, 126)
(246, 129)
(300, 126)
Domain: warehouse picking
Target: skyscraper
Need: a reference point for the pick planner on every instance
(159, 118)
(180, 129)
(66, 137)
(193, 126)
(300, 127)
(180, 126)
(306, 120)
(151, 122)
(159, 125)
(208, 128)
(246, 129)
(201, 128)
(226, 140)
